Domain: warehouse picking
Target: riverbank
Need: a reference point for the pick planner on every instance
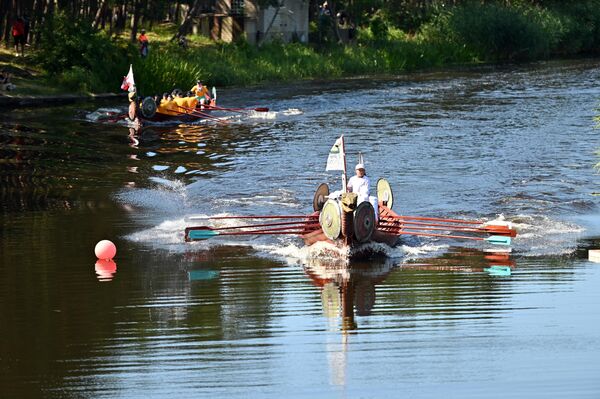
(73, 58)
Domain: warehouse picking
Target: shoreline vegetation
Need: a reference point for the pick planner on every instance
(72, 56)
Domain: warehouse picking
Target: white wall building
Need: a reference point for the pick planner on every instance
(234, 18)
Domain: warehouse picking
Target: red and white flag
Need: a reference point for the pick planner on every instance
(128, 82)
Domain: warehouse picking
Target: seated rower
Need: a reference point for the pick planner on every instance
(182, 103)
(161, 106)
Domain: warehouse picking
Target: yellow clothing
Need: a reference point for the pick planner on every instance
(182, 104)
(192, 102)
(201, 92)
(171, 108)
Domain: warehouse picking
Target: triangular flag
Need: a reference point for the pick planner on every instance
(128, 82)
(335, 160)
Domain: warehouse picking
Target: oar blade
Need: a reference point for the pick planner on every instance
(195, 234)
(498, 270)
(500, 230)
(499, 240)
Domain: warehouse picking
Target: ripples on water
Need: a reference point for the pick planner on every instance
(252, 317)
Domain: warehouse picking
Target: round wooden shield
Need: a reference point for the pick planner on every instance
(148, 107)
(364, 221)
(320, 196)
(384, 193)
(330, 219)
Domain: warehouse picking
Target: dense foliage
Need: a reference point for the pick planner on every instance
(83, 58)
(88, 52)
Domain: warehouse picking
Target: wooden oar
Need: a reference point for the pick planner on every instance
(252, 217)
(206, 233)
(490, 229)
(249, 226)
(499, 240)
(239, 110)
(194, 112)
(466, 230)
(405, 217)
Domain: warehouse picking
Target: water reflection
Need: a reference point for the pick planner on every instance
(465, 260)
(349, 289)
(105, 269)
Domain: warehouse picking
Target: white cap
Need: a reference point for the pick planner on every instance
(359, 166)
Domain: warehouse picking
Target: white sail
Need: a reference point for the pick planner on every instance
(335, 160)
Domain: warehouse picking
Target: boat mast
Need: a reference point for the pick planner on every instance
(344, 178)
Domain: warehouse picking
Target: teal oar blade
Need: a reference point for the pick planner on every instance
(201, 234)
(199, 275)
(498, 240)
(498, 270)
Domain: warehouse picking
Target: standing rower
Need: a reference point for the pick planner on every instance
(359, 183)
(201, 92)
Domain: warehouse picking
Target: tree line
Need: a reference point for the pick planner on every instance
(118, 16)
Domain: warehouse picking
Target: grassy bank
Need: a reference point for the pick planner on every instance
(79, 59)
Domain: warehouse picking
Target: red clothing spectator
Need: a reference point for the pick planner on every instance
(18, 33)
(143, 39)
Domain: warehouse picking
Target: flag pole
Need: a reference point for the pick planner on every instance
(344, 178)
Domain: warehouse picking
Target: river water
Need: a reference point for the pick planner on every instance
(255, 317)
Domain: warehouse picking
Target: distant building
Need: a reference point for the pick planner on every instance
(228, 20)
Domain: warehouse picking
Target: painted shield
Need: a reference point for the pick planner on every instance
(330, 219)
(148, 107)
(384, 193)
(364, 221)
(320, 196)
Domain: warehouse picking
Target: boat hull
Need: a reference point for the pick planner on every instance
(350, 249)
(158, 117)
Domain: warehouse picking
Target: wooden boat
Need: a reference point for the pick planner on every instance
(350, 230)
(343, 228)
(148, 111)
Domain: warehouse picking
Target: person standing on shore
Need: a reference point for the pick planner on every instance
(18, 33)
(143, 39)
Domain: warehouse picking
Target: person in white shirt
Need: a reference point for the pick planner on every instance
(359, 184)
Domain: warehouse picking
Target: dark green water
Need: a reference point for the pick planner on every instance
(251, 317)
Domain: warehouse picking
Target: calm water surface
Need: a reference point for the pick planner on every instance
(253, 317)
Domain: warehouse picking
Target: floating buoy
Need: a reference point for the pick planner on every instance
(105, 249)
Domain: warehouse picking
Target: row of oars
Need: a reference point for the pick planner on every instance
(198, 112)
(399, 225)
(447, 228)
(295, 224)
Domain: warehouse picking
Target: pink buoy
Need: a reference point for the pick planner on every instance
(105, 249)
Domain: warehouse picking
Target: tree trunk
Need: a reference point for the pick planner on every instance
(185, 26)
(5, 20)
(135, 18)
(100, 14)
(334, 20)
